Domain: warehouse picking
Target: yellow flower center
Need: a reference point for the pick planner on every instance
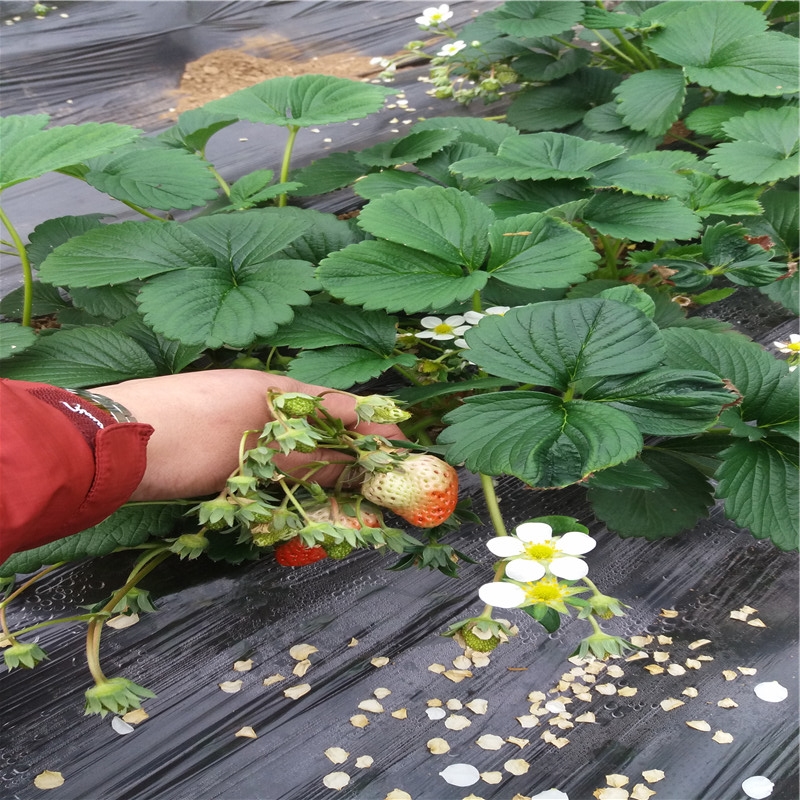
(540, 551)
(793, 346)
(546, 591)
(443, 327)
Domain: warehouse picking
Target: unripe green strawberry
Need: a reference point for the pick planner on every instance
(337, 550)
(471, 639)
(302, 447)
(298, 405)
(264, 535)
(422, 489)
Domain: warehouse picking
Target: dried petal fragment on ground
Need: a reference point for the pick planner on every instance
(437, 746)
(587, 717)
(699, 725)
(478, 705)
(380, 693)
(454, 705)
(492, 777)
(548, 794)
(671, 703)
(720, 737)
(771, 691)
(490, 742)
(756, 623)
(336, 780)
(398, 794)
(698, 643)
(611, 793)
(518, 742)
(277, 678)
(371, 705)
(669, 613)
(48, 780)
(653, 775)
(359, 721)
(641, 792)
(379, 661)
(457, 722)
(401, 713)
(747, 670)
(337, 755)
(243, 666)
(727, 702)
(297, 691)
(528, 720)
(230, 687)
(136, 716)
(362, 762)
(457, 675)
(246, 733)
(301, 667)
(690, 691)
(300, 652)
(517, 766)
(122, 621)
(435, 713)
(617, 781)
(437, 668)
(627, 691)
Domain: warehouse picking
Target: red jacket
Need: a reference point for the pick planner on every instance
(65, 464)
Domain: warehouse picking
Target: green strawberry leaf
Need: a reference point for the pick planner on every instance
(633, 474)
(410, 148)
(558, 342)
(651, 101)
(656, 513)
(640, 219)
(785, 291)
(709, 120)
(79, 357)
(725, 47)
(29, 152)
(109, 302)
(782, 210)
(599, 19)
(557, 105)
(130, 526)
(387, 181)
(752, 370)
(342, 367)
(113, 254)
(758, 482)
(153, 176)
(46, 300)
(546, 67)
(539, 156)
(53, 232)
(638, 176)
(722, 197)
(325, 234)
(327, 324)
(379, 274)
(168, 355)
(539, 438)
(667, 402)
(533, 18)
(764, 149)
(535, 251)
(471, 130)
(16, 338)
(302, 101)
(194, 128)
(444, 223)
(334, 171)
(235, 291)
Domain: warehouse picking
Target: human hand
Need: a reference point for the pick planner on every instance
(199, 418)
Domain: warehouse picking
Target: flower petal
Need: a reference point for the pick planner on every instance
(524, 569)
(575, 543)
(505, 546)
(430, 322)
(502, 595)
(569, 568)
(534, 532)
(473, 317)
(454, 320)
(500, 310)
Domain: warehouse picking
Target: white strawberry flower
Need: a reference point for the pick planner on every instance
(792, 346)
(442, 329)
(533, 551)
(453, 48)
(434, 16)
(474, 317)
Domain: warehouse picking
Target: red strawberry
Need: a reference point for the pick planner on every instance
(422, 489)
(295, 553)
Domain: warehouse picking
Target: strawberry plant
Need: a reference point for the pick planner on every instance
(526, 286)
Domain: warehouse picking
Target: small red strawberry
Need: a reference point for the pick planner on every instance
(422, 489)
(295, 553)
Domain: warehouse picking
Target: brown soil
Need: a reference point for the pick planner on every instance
(222, 72)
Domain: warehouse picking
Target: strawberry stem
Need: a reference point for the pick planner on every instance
(492, 505)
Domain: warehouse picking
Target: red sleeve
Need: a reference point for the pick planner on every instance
(65, 465)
